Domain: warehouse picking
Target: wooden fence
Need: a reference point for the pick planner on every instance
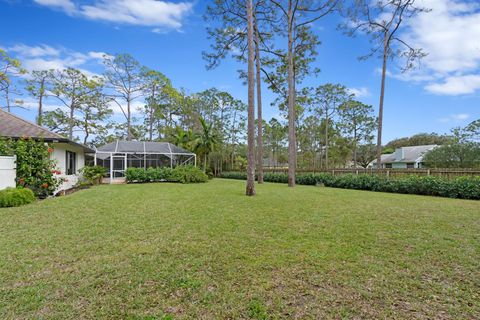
(393, 173)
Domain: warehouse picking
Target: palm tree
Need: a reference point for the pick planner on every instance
(208, 140)
(185, 139)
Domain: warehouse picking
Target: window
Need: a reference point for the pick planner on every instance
(388, 165)
(410, 165)
(71, 162)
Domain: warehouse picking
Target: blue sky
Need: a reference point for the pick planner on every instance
(170, 36)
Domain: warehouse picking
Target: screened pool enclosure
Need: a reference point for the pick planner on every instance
(120, 155)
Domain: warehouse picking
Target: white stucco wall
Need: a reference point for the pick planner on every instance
(59, 155)
(7, 172)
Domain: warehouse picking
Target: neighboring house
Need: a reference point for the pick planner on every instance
(69, 155)
(404, 158)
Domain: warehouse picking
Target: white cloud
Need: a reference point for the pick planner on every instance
(456, 85)
(459, 117)
(153, 13)
(65, 5)
(450, 34)
(49, 104)
(361, 92)
(35, 51)
(159, 30)
(44, 57)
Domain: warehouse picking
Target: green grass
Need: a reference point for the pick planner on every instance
(205, 251)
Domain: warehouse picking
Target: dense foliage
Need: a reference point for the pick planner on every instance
(12, 197)
(454, 155)
(35, 169)
(462, 187)
(418, 140)
(6, 147)
(93, 174)
(181, 174)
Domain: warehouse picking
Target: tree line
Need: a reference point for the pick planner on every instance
(277, 38)
(211, 123)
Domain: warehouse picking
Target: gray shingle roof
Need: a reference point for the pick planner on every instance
(407, 154)
(12, 126)
(141, 147)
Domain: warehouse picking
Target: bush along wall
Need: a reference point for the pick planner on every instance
(181, 174)
(35, 169)
(461, 187)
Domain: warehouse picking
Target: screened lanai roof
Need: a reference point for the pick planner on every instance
(142, 147)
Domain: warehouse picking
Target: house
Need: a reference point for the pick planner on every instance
(69, 155)
(404, 158)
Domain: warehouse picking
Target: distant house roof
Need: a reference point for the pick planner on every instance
(12, 126)
(143, 147)
(407, 154)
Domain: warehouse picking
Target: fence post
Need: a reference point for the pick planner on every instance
(428, 172)
(388, 173)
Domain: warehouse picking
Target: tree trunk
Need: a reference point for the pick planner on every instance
(292, 145)
(70, 121)
(129, 118)
(40, 103)
(355, 150)
(7, 99)
(326, 141)
(250, 190)
(259, 108)
(380, 108)
(150, 129)
(87, 134)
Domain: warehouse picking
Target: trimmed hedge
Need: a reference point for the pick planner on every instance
(461, 187)
(12, 197)
(182, 174)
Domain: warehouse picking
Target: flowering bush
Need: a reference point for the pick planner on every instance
(35, 169)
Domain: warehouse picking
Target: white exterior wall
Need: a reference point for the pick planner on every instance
(8, 172)
(59, 155)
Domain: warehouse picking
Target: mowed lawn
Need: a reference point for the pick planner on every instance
(205, 251)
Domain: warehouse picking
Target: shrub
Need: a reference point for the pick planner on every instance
(188, 174)
(93, 174)
(6, 147)
(12, 197)
(462, 187)
(182, 174)
(235, 175)
(35, 169)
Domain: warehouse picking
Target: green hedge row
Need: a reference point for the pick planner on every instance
(182, 174)
(12, 197)
(461, 188)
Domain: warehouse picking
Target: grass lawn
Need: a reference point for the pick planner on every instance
(206, 251)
